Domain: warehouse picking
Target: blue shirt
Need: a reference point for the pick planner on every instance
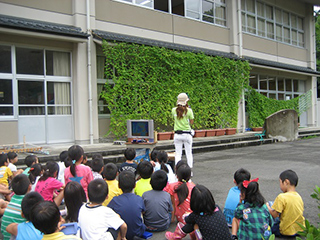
(27, 231)
(232, 202)
(130, 206)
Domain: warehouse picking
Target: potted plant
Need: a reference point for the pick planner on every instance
(211, 132)
(164, 135)
(257, 129)
(220, 132)
(231, 131)
(199, 133)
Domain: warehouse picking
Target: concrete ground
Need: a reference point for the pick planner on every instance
(215, 170)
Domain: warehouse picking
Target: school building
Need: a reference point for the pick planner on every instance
(51, 61)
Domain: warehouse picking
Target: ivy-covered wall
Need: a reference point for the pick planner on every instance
(259, 107)
(148, 79)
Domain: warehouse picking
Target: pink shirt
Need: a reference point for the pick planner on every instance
(183, 207)
(83, 176)
(47, 187)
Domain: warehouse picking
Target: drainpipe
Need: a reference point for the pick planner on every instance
(89, 73)
(240, 55)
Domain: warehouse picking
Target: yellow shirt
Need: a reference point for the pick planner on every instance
(5, 173)
(114, 191)
(142, 186)
(59, 236)
(290, 205)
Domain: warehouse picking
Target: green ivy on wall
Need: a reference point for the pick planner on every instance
(148, 79)
(259, 107)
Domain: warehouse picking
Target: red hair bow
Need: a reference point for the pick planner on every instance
(246, 183)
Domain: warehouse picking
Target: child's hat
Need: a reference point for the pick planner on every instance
(182, 99)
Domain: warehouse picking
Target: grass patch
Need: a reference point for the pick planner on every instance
(310, 137)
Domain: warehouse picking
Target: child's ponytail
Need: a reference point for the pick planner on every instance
(162, 157)
(75, 152)
(251, 192)
(50, 168)
(183, 174)
(34, 172)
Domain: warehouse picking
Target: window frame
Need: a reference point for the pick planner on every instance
(15, 78)
(279, 26)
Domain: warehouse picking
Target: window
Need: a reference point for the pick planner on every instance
(6, 101)
(212, 11)
(31, 98)
(41, 82)
(268, 21)
(58, 63)
(5, 59)
(101, 81)
(277, 87)
(29, 61)
(58, 98)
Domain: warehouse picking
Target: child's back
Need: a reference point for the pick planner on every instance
(233, 197)
(95, 219)
(97, 167)
(181, 192)
(145, 170)
(129, 206)
(48, 183)
(289, 205)
(20, 185)
(110, 172)
(129, 164)
(157, 203)
(255, 219)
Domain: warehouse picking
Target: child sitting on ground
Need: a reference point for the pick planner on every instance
(252, 219)
(62, 166)
(288, 206)
(20, 186)
(97, 167)
(46, 217)
(97, 221)
(35, 173)
(206, 215)
(26, 230)
(129, 206)
(233, 197)
(129, 164)
(29, 161)
(110, 172)
(77, 171)
(158, 205)
(13, 159)
(145, 170)
(48, 184)
(181, 192)
(162, 160)
(5, 172)
(74, 197)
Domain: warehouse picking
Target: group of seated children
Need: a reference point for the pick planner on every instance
(251, 217)
(108, 202)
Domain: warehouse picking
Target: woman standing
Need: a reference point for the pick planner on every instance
(183, 118)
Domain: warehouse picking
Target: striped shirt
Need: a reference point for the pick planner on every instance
(12, 214)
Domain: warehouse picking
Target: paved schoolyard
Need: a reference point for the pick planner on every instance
(215, 171)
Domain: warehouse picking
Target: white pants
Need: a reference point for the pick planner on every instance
(186, 140)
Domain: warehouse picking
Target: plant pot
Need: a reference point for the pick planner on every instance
(220, 132)
(200, 133)
(211, 133)
(257, 129)
(164, 136)
(231, 131)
